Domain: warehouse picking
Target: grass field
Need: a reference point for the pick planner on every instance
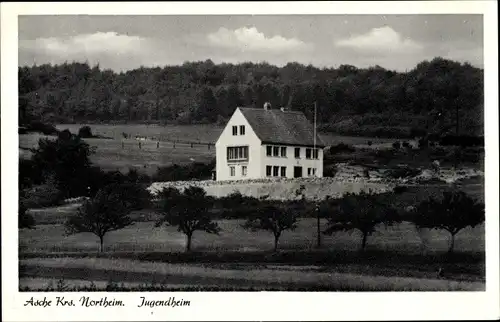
(110, 155)
(396, 258)
(144, 237)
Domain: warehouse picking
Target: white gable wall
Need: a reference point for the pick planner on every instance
(227, 139)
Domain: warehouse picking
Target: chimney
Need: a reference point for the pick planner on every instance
(267, 106)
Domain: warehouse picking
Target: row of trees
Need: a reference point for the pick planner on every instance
(426, 96)
(189, 211)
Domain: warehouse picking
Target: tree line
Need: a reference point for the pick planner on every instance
(428, 97)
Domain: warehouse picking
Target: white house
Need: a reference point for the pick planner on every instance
(264, 142)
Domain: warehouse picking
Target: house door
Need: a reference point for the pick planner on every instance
(297, 172)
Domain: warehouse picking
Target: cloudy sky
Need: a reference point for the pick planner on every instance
(396, 42)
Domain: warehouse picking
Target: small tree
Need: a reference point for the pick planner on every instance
(453, 212)
(361, 211)
(25, 220)
(189, 211)
(274, 219)
(107, 211)
(67, 159)
(85, 132)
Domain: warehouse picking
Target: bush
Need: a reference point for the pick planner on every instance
(45, 195)
(29, 174)
(453, 212)
(462, 140)
(341, 148)
(406, 145)
(423, 143)
(196, 170)
(330, 171)
(403, 172)
(25, 220)
(65, 134)
(400, 189)
(46, 129)
(396, 145)
(85, 132)
(417, 132)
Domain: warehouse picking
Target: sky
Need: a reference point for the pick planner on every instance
(120, 43)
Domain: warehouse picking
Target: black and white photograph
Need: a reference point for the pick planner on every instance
(324, 152)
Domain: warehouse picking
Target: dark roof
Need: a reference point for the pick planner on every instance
(281, 127)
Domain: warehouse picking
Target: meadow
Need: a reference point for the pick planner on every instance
(396, 258)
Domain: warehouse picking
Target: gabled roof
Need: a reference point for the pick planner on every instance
(281, 127)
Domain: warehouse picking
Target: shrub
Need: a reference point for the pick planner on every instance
(396, 145)
(417, 132)
(45, 195)
(85, 132)
(46, 129)
(29, 173)
(403, 172)
(423, 143)
(25, 220)
(341, 148)
(67, 158)
(400, 189)
(406, 145)
(462, 140)
(330, 171)
(196, 170)
(64, 135)
(236, 200)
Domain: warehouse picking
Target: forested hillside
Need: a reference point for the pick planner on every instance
(349, 100)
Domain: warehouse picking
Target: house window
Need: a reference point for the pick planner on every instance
(297, 153)
(269, 150)
(244, 171)
(232, 171)
(313, 171)
(315, 153)
(283, 171)
(276, 151)
(308, 171)
(308, 153)
(242, 130)
(276, 170)
(237, 153)
(283, 151)
(268, 170)
(235, 130)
